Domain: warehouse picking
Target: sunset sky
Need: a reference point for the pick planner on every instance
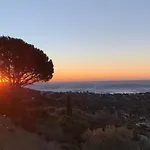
(86, 39)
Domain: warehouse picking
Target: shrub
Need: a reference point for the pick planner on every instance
(110, 139)
(72, 128)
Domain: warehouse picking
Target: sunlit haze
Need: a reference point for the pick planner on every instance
(86, 39)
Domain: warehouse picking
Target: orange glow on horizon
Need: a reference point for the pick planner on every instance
(91, 76)
(123, 65)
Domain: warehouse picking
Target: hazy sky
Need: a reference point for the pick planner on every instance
(86, 39)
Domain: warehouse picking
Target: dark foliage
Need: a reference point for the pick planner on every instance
(44, 113)
(68, 106)
(22, 64)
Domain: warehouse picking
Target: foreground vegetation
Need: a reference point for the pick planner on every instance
(79, 121)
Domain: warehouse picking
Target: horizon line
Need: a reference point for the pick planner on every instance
(111, 80)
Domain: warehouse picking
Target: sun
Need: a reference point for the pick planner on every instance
(2, 79)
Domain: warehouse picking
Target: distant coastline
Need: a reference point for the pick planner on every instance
(122, 86)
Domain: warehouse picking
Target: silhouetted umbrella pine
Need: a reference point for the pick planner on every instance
(22, 63)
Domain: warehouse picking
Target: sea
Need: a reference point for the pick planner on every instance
(134, 86)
